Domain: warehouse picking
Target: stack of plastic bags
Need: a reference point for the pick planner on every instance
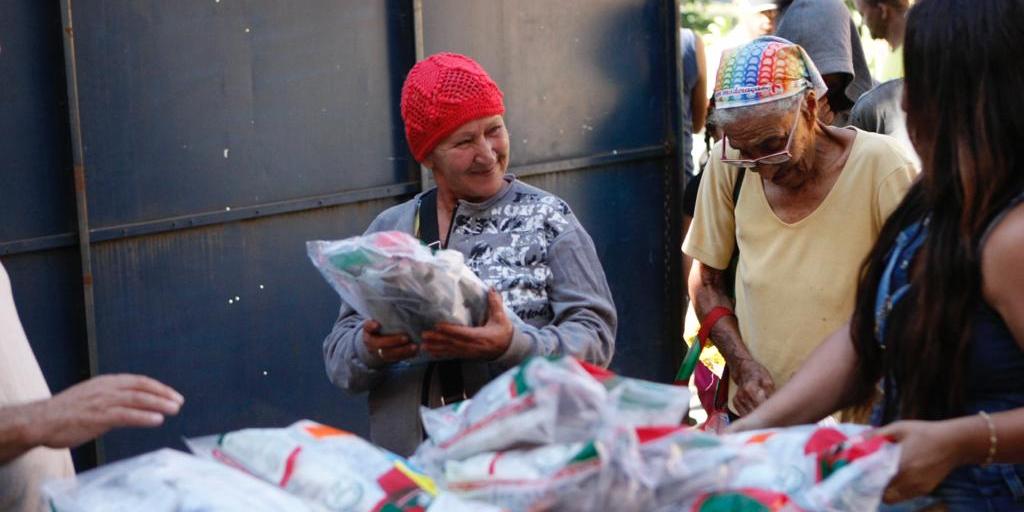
(304, 467)
(392, 278)
(168, 481)
(555, 434)
(799, 468)
(550, 434)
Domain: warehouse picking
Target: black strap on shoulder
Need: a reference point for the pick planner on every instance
(730, 274)
(722, 392)
(736, 187)
(426, 212)
(449, 373)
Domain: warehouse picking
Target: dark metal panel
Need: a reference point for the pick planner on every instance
(196, 106)
(579, 76)
(620, 206)
(304, 96)
(210, 218)
(48, 294)
(35, 181)
(233, 316)
(589, 88)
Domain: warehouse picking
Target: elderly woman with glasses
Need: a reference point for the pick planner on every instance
(801, 203)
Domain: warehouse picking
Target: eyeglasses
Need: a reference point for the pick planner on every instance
(773, 159)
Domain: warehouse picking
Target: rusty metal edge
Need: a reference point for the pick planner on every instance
(81, 198)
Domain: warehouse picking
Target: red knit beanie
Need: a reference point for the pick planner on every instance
(441, 93)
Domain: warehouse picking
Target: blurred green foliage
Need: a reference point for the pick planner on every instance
(708, 16)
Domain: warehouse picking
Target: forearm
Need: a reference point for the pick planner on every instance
(973, 440)
(18, 434)
(707, 291)
(583, 334)
(821, 386)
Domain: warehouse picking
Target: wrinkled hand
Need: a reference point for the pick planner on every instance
(487, 342)
(927, 455)
(389, 348)
(754, 386)
(89, 409)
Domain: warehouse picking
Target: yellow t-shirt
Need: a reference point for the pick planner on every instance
(796, 283)
(893, 67)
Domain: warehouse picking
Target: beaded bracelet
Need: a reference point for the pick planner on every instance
(993, 440)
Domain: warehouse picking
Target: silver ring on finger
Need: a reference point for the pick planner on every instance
(380, 353)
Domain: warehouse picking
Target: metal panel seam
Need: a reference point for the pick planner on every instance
(81, 198)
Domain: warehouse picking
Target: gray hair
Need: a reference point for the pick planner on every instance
(722, 117)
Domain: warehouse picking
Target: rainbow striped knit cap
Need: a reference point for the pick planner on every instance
(766, 69)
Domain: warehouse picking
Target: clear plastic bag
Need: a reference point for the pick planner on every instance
(837, 467)
(798, 468)
(641, 403)
(392, 278)
(541, 401)
(521, 479)
(331, 469)
(600, 474)
(167, 481)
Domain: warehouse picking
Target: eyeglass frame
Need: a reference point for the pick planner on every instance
(747, 163)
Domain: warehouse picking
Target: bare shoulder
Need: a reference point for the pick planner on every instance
(1002, 269)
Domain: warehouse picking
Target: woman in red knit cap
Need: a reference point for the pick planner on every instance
(549, 294)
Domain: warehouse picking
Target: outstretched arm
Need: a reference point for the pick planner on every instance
(84, 412)
(755, 384)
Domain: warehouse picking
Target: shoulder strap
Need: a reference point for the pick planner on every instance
(736, 187)
(449, 373)
(730, 274)
(426, 216)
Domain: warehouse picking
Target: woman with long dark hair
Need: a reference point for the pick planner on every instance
(939, 320)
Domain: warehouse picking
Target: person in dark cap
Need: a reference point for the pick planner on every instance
(826, 31)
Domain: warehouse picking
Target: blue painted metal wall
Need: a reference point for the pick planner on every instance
(220, 135)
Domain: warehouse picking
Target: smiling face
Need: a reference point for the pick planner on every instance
(471, 162)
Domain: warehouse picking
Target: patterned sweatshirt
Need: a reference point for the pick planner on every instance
(528, 245)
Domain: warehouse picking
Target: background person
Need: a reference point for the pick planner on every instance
(887, 19)
(880, 110)
(826, 31)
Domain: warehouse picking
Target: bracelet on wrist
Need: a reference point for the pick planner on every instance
(993, 439)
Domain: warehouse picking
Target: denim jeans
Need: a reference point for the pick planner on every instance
(995, 488)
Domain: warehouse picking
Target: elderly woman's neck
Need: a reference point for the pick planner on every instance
(446, 199)
(827, 157)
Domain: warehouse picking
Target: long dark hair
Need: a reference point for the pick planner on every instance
(964, 97)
